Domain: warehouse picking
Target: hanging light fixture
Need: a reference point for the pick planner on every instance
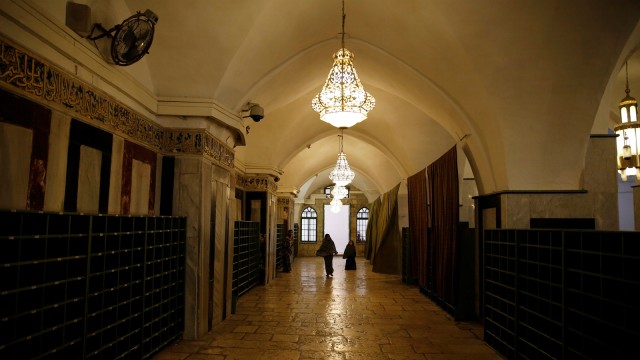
(339, 192)
(627, 131)
(336, 205)
(343, 101)
(341, 175)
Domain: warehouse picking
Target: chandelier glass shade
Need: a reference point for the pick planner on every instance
(341, 175)
(343, 102)
(628, 133)
(339, 192)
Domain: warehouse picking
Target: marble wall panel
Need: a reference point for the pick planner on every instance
(223, 249)
(89, 180)
(134, 152)
(140, 184)
(15, 157)
(515, 211)
(81, 137)
(187, 202)
(577, 205)
(489, 218)
(204, 250)
(115, 184)
(158, 176)
(57, 165)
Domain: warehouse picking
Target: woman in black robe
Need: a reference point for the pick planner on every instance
(350, 255)
(327, 250)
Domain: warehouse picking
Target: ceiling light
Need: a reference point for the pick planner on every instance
(343, 102)
(341, 175)
(627, 131)
(339, 192)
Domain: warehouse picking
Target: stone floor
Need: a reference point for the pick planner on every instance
(355, 314)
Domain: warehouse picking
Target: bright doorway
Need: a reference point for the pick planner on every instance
(337, 225)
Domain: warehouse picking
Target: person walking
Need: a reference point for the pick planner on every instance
(350, 254)
(327, 250)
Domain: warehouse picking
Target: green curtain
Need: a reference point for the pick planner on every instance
(384, 246)
(374, 209)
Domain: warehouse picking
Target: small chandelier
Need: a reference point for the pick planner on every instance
(627, 131)
(339, 192)
(336, 205)
(341, 175)
(343, 101)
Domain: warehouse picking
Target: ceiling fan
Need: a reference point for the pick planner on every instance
(131, 39)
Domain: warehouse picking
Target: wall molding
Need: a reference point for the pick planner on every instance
(28, 75)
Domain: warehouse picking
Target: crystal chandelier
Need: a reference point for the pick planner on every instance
(341, 175)
(339, 192)
(627, 131)
(336, 205)
(343, 101)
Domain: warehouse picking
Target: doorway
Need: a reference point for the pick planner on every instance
(337, 225)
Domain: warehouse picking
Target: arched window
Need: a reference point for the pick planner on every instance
(309, 225)
(362, 219)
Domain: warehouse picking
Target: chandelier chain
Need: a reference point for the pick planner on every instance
(626, 70)
(344, 17)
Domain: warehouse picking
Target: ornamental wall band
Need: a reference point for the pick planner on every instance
(258, 182)
(34, 77)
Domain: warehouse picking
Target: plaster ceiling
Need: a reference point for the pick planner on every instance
(520, 81)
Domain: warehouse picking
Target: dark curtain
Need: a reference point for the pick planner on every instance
(418, 225)
(443, 191)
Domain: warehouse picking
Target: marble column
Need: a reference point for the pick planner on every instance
(191, 198)
(223, 243)
(601, 180)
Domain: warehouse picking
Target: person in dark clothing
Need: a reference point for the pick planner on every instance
(327, 250)
(350, 254)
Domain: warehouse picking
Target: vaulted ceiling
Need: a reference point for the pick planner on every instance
(520, 83)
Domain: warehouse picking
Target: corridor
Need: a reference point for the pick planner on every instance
(354, 315)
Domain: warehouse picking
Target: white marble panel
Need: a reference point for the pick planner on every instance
(515, 211)
(89, 180)
(187, 201)
(158, 192)
(140, 182)
(115, 180)
(15, 158)
(562, 206)
(489, 218)
(57, 162)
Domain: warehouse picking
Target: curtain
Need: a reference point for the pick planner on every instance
(371, 227)
(385, 244)
(418, 225)
(443, 192)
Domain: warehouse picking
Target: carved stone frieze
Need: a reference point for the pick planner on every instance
(34, 77)
(258, 182)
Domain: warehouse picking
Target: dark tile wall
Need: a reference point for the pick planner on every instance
(90, 286)
(562, 294)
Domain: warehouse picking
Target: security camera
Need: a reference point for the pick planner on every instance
(256, 112)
